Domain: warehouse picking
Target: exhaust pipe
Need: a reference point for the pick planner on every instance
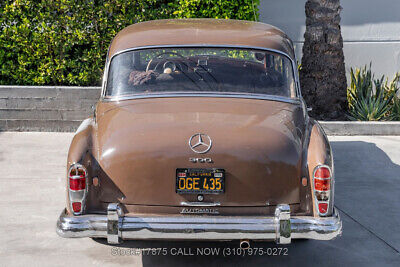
(244, 244)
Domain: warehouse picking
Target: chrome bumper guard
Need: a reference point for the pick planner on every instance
(282, 227)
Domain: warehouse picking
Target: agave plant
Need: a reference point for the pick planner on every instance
(394, 88)
(360, 85)
(370, 99)
(395, 113)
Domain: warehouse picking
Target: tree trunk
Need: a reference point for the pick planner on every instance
(322, 74)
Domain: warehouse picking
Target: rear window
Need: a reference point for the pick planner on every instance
(221, 70)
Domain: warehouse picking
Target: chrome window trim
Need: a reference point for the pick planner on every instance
(206, 94)
(244, 95)
(297, 74)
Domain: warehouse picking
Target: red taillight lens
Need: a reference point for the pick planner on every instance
(322, 172)
(77, 183)
(323, 208)
(76, 206)
(322, 179)
(322, 184)
(77, 177)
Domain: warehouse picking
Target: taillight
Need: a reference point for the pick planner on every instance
(322, 172)
(322, 184)
(76, 184)
(323, 208)
(322, 179)
(77, 187)
(76, 206)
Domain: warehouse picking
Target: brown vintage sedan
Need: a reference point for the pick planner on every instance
(201, 132)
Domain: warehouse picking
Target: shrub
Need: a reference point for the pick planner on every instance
(372, 99)
(64, 42)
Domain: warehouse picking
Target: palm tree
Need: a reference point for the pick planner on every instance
(322, 75)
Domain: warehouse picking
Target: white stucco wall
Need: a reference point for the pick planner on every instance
(370, 30)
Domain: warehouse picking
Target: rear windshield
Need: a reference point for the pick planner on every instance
(220, 70)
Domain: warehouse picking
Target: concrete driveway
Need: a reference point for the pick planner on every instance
(32, 197)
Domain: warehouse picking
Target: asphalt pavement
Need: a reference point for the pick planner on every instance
(32, 195)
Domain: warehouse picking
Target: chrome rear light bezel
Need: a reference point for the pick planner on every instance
(77, 195)
(327, 192)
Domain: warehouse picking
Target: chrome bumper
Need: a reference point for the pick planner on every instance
(282, 227)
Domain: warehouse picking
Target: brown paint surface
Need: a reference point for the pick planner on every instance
(201, 32)
(136, 146)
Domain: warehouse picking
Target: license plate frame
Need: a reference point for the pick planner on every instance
(208, 181)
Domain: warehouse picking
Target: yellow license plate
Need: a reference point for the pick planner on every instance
(200, 181)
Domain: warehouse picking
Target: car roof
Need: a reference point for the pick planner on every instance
(213, 32)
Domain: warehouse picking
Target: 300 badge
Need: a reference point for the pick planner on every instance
(201, 160)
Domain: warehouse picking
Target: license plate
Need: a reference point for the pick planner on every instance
(200, 181)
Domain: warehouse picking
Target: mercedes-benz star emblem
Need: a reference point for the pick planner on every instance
(200, 143)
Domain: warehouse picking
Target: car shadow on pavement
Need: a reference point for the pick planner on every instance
(367, 186)
(366, 180)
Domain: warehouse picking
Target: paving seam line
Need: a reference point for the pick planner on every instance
(366, 228)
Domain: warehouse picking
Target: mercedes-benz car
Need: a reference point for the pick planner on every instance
(200, 133)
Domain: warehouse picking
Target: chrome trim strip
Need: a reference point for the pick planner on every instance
(108, 60)
(200, 204)
(207, 94)
(203, 227)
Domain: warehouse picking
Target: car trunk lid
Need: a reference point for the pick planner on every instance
(143, 142)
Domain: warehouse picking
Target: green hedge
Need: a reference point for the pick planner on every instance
(64, 42)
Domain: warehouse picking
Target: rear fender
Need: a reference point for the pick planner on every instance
(319, 152)
(81, 151)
